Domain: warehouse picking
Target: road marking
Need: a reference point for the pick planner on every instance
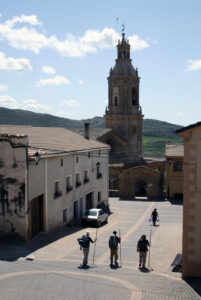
(136, 294)
(128, 233)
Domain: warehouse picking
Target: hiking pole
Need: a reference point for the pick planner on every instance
(120, 247)
(95, 245)
(149, 249)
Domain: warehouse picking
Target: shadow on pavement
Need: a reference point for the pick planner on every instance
(176, 201)
(11, 249)
(144, 270)
(195, 283)
(142, 199)
(145, 199)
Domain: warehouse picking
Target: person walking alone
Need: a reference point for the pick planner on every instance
(86, 246)
(142, 248)
(154, 216)
(114, 240)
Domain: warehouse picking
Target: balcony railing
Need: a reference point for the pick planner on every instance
(69, 188)
(86, 180)
(57, 194)
(99, 175)
(78, 183)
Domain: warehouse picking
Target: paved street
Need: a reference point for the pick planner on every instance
(48, 266)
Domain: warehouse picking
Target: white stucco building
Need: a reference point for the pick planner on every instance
(48, 177)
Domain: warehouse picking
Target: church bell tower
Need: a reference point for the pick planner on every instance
(123, 114)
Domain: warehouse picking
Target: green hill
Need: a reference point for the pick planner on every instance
(151, 127)
(157, 128)
(28, 118)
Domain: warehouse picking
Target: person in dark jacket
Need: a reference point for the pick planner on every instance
(142, 248)
(114, 240)
(154, 216)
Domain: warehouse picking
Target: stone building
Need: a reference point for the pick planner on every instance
(130, 174)
(174, 154)
(191, 260)
(48, 177)
(123, 117)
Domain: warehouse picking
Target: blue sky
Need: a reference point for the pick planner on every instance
(55, 56)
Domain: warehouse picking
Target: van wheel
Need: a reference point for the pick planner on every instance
(106, 221)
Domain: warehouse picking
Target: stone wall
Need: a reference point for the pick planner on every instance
(146, 181)
(13, 176)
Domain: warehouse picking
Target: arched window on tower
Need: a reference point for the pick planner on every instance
(115, 100)
(134, 97)
(128, 56)
(115, 96)
(119, 54)
(124, 54)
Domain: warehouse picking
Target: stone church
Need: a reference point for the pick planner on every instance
(123, 117)
(130, 174)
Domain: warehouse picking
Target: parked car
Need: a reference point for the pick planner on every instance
(95, 216)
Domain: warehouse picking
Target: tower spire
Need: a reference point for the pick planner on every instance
(123, 33)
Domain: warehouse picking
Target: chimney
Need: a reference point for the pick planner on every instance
(86, 130)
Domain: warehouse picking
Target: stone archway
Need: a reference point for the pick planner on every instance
(141, 188)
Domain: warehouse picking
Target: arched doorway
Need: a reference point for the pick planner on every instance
(140, 188)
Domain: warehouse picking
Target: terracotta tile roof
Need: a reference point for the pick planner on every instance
(52, 140)
(174, 150)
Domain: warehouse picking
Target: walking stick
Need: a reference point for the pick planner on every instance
(120, 247)
(149, 249)
(95, 245)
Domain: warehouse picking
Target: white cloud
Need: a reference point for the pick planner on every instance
(8, 101)
(14, 64)
(48, 70)
(70, 103)
(71, 115)
(57, 80)
(80, 82)
(3, 87)
(180, 114)
(33, 105)
(28, 38)
(32, 19)
(193, 65)
(137, 43)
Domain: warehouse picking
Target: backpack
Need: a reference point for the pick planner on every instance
(142, 245)
(113, 243)
(83, 242)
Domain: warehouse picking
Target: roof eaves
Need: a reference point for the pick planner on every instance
(188, 127)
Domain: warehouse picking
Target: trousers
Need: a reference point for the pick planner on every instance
(142, 258)
(113, 254)
(86, 254)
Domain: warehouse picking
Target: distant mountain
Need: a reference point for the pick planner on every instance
(151, 127)
(28, 118)
(158, 128)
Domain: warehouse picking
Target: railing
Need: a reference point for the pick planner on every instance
(78, 183)
(86, 180)
(69, 188)
(57, 194)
